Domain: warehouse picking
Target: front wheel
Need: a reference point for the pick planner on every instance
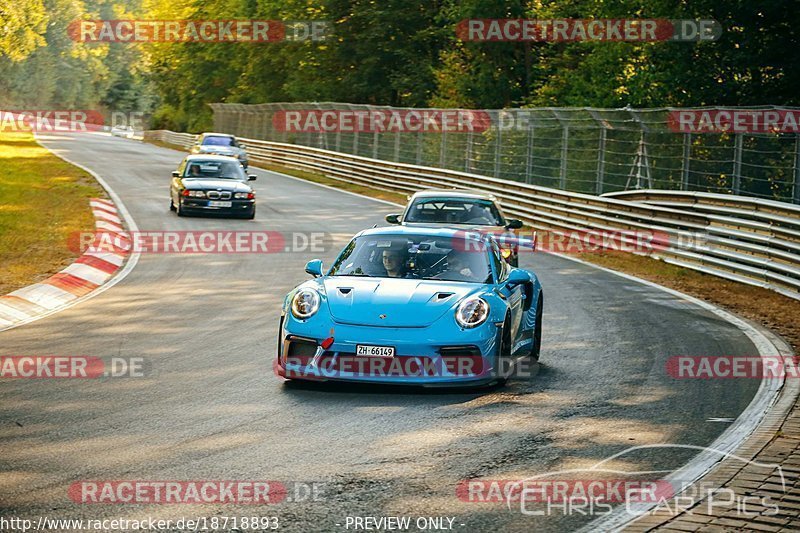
(504, 352)
(537, 332)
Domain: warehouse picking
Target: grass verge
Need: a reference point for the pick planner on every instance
(770, 309)
(44, 201)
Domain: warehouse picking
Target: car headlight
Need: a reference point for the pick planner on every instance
(305, 303)
(244, 195)
(472, 312)
(197, 194)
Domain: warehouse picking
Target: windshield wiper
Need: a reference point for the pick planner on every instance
(356, 274)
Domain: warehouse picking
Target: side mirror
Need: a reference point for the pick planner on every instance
(252, 177)
(393, 219)
(513, 223)
(517, 277)
(314, 267)
(176, 174)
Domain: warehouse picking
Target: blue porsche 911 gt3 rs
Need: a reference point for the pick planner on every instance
(415, 306)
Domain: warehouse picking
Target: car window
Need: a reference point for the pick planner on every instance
(415, 257)
(218, 141)
(199, 169)
(454, 211)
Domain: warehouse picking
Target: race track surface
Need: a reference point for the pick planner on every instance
(211, 408)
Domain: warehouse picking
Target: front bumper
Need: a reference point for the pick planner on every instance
(423, 357)
(201, 205)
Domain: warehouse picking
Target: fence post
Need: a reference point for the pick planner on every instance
(737, 164)
(468, 152)
(687, 154)
(601, 160)
(529, 154)
(564, 151)
(796, 186)
(497, 145)
(443, 149)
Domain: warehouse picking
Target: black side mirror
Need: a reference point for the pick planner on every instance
(393, 219)
(176, 174)
(252, 177)
(513, 223)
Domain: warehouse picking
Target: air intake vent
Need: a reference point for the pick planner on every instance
(443, 295)
(345, 290)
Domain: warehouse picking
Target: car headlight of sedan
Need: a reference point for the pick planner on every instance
(194, 194)
(244, 195)
(472, 312)
(305, 303)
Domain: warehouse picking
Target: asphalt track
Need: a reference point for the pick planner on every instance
(211, 408)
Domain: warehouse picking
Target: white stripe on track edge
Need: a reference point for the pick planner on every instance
(133, 258)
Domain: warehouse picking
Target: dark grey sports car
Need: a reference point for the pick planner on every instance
(212, 184)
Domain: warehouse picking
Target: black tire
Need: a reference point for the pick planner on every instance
(171, 204)
(537, 332)
(505, 351)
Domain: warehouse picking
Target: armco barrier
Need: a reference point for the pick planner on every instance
(743, 239)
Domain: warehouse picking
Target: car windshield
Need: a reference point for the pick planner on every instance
(457, 258)
(454, 211)
(218, 141)
(200, 169)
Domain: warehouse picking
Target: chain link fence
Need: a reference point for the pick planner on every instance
(575, 149)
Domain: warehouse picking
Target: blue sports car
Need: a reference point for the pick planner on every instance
(414, 306)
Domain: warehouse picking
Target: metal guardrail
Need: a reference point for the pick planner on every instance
(746, 240)
(579, 149)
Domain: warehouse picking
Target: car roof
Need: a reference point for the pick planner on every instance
(210, 157)
(212, 134)
(454, 193)
(431, 231)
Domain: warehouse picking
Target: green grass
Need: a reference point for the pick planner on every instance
(43, 201)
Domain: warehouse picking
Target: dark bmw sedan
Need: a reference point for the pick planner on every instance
(212, 184)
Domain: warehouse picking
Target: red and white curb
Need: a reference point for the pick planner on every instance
(87, 273)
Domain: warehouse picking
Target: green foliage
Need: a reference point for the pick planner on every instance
(394, 52)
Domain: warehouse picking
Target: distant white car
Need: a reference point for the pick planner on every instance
(122, 131)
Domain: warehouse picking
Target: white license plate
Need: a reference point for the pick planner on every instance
(375, 351)
(217, 203)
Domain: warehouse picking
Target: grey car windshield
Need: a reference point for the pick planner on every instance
(219, 141)
(454, 211)
(201, 169)
(415, 257)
